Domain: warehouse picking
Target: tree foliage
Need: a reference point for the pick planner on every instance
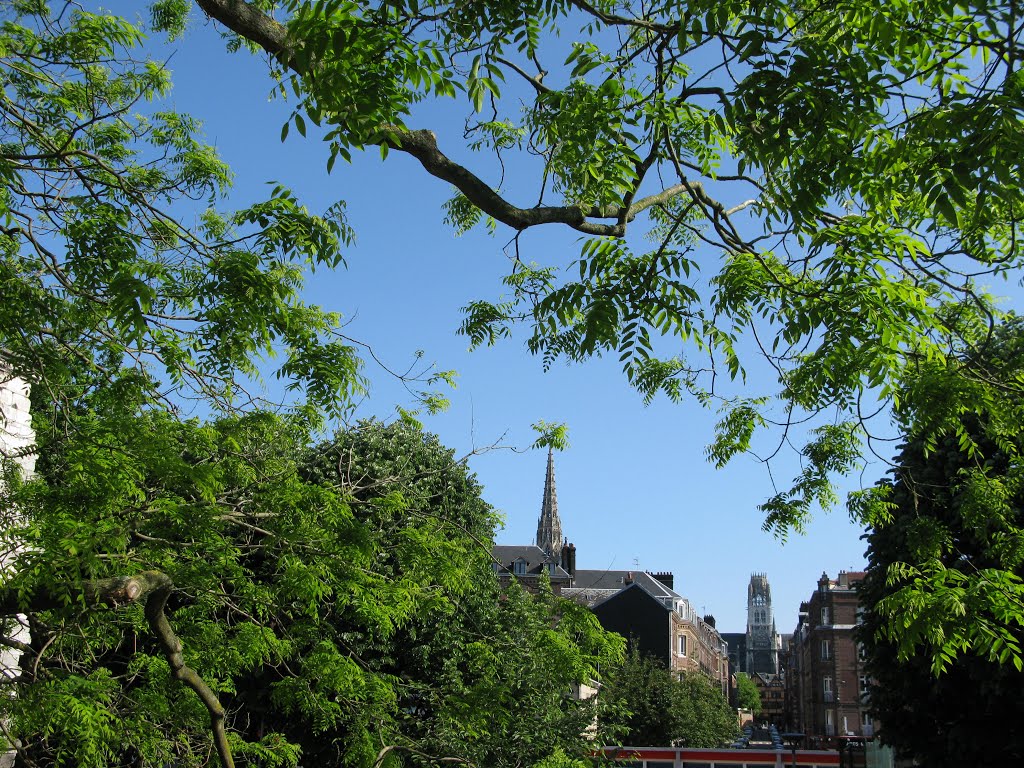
(747, 694)
(944, 588)
(826, 192)
(336, 617)
(824, 188)
(105, 282)
(649, 705)
(226, 585)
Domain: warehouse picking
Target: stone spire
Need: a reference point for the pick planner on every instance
(549, 527)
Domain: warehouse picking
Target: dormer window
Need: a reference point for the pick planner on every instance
(552, 569)
(519, 567)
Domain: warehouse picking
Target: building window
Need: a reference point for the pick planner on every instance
(519, 567)
(826, 684)
(826, 650)
(552, 569)
(865, 687)
(682, 645)
(496, 567)
(862, 652)
(824, 616)
(865, 719)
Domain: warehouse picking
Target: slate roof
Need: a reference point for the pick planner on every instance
(737, 641)
(618, 580)
(535, 557)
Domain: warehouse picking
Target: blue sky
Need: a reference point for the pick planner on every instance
(634, 487)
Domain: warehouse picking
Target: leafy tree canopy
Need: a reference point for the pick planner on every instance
(649, 705)
(946, 576)
(855, 171)
(824, 189)
(824, 193)
(224, 586)
(104, 283)
(747, 695)
(338, 603)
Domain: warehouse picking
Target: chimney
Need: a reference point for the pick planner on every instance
(709, 620)
(568, 558)
(665, 577)
(628, 578)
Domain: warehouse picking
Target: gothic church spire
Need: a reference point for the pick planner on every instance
(549, 527)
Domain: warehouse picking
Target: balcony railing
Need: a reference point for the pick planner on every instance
(829, 697)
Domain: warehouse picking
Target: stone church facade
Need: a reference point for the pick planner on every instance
(756, 651)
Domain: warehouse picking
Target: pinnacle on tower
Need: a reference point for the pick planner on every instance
(549, 527)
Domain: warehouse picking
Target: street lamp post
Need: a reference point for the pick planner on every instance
(792, 740)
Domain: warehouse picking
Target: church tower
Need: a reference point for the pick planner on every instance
(762, 639)
(549, 527)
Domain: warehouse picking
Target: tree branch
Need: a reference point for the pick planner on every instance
(534, 80)
(156, 588)
(248, 21)
(171, 646)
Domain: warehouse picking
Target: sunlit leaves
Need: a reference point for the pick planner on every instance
(944, 586)
(332, 595)
(831, 450)
(654, 705)
(90, 188)
(736, 428)
(844, 174)
(461, 215)
(591, 154)
(551, 435)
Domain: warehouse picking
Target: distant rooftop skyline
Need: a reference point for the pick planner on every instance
(730, 614)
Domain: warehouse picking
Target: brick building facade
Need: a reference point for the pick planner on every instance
(645, 609)
(826, 683)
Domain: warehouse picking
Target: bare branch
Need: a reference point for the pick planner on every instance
(534, 80)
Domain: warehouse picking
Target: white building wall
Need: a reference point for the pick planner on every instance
(17, 442)
(16, 435)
